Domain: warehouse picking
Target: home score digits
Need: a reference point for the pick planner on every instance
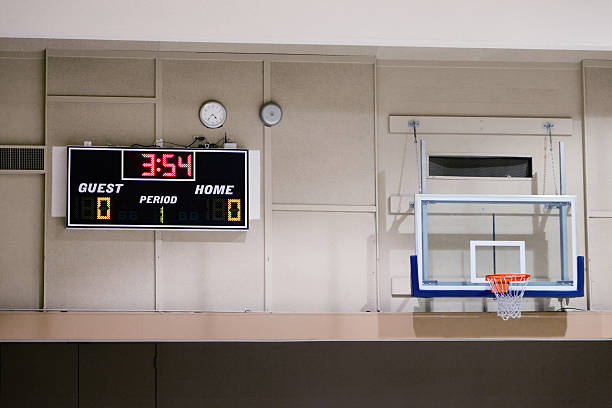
(157, 188)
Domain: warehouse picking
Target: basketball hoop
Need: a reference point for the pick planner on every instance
(509, 290)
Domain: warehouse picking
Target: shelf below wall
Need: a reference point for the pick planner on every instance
(183, 326)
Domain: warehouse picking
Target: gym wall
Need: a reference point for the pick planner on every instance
(470, 89)
(315, 247)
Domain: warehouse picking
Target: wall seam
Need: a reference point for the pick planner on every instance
(157, 235)
(42, 303)
(267, 156)
(78, 379)
(377, 207)
(156, 360)
(585, 190)
(1, 382)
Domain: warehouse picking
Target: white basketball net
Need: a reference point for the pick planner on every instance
(508, 290)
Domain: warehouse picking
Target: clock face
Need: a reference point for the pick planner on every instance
(213, 114)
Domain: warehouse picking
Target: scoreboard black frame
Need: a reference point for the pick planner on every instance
(157, 188)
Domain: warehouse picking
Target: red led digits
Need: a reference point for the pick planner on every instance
(172, 166)
(185, 165)
(150, 164)
(161, 165)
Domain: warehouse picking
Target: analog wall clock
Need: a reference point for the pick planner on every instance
(213, 114)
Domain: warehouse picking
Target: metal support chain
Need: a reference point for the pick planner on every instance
(548, 126)
(414, 124)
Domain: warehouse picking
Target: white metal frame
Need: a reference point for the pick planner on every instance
(421, 211)
(474, 244)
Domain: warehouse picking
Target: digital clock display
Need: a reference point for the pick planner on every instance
(135, 188)
(158, 165)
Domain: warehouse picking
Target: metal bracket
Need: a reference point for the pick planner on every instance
(423, 167)
(553, 206)
(565, 282)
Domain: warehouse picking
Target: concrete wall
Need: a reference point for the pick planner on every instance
(598, 114)
(22, 112)
(470, 89)
(315, 248)
(227, 271)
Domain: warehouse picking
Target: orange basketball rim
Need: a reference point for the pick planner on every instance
(500, 283)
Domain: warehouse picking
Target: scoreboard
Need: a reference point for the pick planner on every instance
(157, 188)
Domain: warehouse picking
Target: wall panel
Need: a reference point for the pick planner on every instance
(393, 374)
(598, 122)
(600, 231)
(469, 89)
(102, 123)
(219, 271)
(598, 116)
(213, 271)
(99, 269)
(39, 375)
(22, 100)
(323, 262)
(21, 241)
(323, 149)
(101, 76)
(236, 84)
(117, 375)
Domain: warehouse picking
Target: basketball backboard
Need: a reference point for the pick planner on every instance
(462, 238)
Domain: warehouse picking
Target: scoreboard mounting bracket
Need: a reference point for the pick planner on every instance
(157, 188)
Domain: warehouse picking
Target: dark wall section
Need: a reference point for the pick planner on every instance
(397, 374)
(116, 375)
(321, 374)
(38, 375)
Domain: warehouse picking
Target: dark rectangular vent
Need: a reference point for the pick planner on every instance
(22, 158)
(466, 166)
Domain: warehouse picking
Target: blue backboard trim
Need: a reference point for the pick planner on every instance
(418, 291)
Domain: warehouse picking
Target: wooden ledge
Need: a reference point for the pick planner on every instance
(183, 326)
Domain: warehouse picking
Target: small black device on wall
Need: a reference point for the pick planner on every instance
(149, 188)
